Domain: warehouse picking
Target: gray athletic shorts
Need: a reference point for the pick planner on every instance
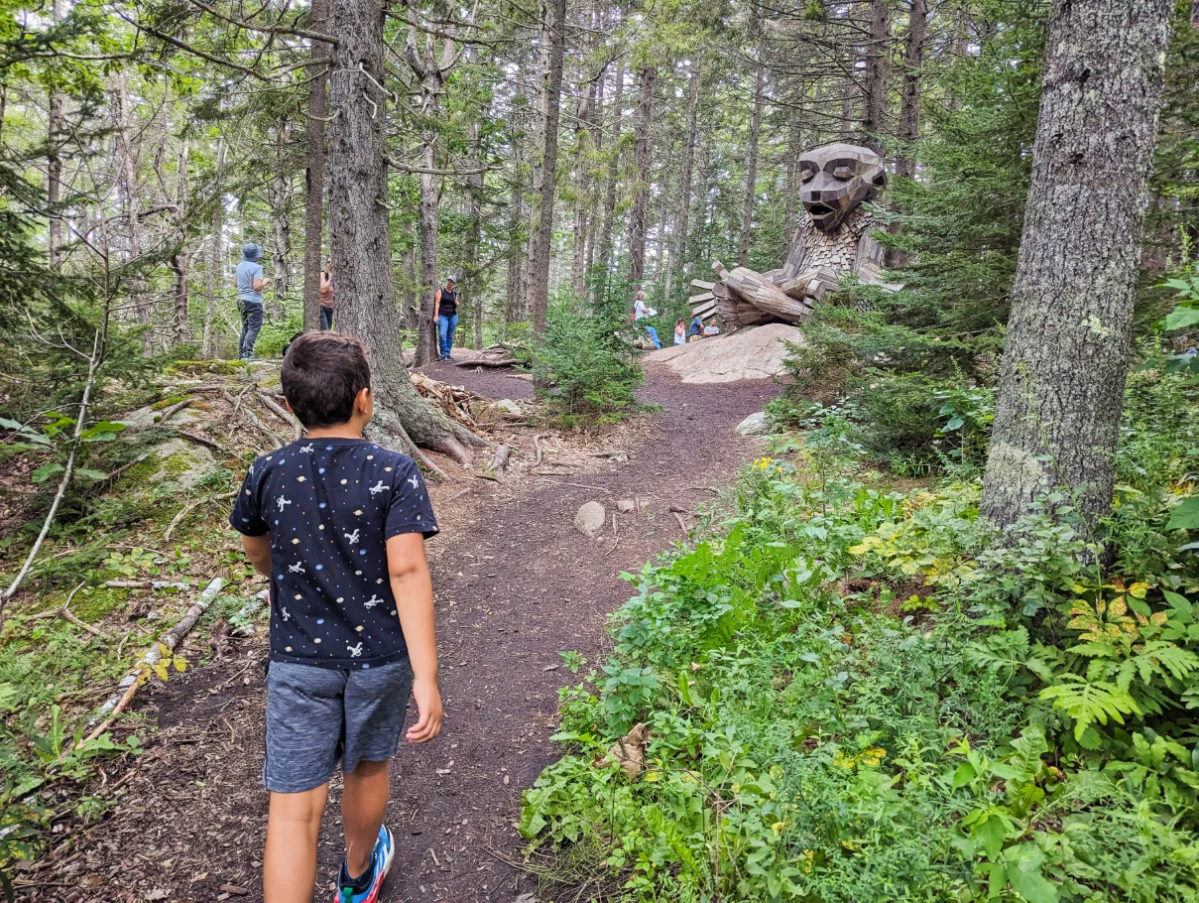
(314, 716)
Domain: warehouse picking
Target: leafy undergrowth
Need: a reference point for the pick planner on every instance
(134, 543)
(857, 694)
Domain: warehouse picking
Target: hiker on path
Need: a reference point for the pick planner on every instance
(339, 525)
(697, 329)
(711, 329)
(249, 280)
(641, 312)
(327, 296)
(445, 315)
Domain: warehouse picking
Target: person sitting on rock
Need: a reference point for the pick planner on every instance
(712, 329)
(680, 332)
(640, 312)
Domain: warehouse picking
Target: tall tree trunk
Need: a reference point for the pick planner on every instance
(216, 258)
(432, 72)
(128, 152)
(553, 32)
(877, 83)
(643, 159)
(909, 107)
(181, 258)
(605, 244)
(411, 293)
(314, 170)
(279, 194)
(1065, 358)
(359, 228)
(474, 213)
(513, 295)
(678, 256)
(751, 166)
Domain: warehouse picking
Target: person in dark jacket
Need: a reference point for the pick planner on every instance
(445, 315)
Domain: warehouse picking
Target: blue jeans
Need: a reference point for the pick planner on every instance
(445, 333)
(251, 322)
(326, 318)
(653, 336)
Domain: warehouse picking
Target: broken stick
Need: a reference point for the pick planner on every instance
(126, 689)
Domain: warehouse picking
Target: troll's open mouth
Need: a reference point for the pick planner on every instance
(819, 210)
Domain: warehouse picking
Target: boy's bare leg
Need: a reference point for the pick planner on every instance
(292, 828)
(363, 805)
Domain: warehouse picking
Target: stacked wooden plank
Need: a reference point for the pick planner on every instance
(742, 297)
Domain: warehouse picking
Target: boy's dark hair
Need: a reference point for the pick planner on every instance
(323, 373)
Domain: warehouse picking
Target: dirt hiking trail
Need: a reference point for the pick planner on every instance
(516, 584)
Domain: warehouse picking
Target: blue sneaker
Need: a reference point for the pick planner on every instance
(381, 857)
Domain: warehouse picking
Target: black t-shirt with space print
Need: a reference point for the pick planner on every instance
(330, 505)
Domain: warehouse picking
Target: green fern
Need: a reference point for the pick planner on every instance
(1088, 702)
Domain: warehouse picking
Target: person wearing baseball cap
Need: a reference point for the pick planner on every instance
(445, 315)
(249, 280)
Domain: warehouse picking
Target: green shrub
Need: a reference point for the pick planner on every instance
(857, 694)
(585, 367)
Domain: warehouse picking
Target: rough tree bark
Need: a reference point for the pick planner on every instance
(678, 254)
(751, 165)
(580, 180)
(314, 170)
(877, 83)
(359, 229)
(181, 258)
(513, 297)
(216, 254)
(909, 107)
(431, 68)
(553, 31)
(1066, 354)
(605, 242)
(279, 198)
(643, 158)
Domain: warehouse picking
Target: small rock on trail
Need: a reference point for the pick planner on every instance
(624, 506)
(754, 425)
(591, 518)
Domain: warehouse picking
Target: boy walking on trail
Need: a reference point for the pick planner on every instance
(338, 524)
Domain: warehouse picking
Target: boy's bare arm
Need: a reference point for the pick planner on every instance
(413, 591)
(258, 550)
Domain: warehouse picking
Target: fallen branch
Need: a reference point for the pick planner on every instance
(64, 612)
(127, 688)
(173, 410)
(537, 446)
(200, 440)
(253, 419)
(487, 476)
(124, 467)
(280, 412)
(178, 518)
(682, 523)
(458, 495)
(145, 584)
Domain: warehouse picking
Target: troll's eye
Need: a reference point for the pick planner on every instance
(843, 172)
(806, 175)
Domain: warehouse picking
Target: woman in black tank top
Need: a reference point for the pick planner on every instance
(445, 315)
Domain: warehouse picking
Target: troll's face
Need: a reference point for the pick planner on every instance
(837, 178)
